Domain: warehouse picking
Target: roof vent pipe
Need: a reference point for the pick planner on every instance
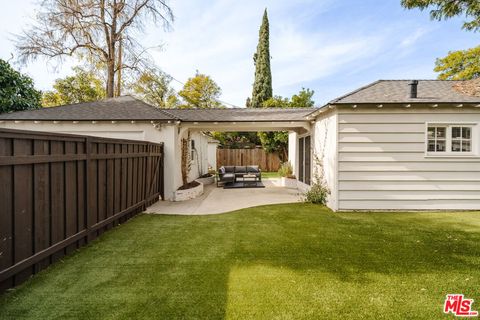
(413, 89)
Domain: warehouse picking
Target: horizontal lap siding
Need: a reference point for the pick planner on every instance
(382, 162)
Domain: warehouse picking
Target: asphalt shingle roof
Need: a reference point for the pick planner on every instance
(398, 91)
(121, 108)
(127, 108)
(240, 114)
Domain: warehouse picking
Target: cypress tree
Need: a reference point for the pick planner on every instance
(262, 87)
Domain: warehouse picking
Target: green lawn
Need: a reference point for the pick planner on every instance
(295, 261)
(273, 174)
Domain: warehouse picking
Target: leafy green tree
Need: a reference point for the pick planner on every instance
(262, 87)
(276, 102)
(459, 65)
(154, 88)
(236, 140)
(303, 99)
(201, 92)
(17, 91)
(277, 141)
(445, 9)
(83, 86)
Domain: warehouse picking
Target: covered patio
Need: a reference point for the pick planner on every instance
(298, 122)
(219, 200)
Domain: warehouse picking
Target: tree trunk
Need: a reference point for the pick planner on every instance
(119, 70)
(110, 79)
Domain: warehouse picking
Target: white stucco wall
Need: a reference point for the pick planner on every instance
(200, 155)
(383, 163)
(212, 154)
(293, 151)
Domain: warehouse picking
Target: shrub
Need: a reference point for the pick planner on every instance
(317, 194)
(286, 170)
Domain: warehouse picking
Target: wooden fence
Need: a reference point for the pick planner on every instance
(59, 192)
(245, 157)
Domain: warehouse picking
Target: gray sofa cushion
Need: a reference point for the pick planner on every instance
(253, 169)
(240, 169)
(229, 169)
(228, 176)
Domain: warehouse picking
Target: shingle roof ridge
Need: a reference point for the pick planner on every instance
(354, 91)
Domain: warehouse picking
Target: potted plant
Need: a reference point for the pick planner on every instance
(287, 178)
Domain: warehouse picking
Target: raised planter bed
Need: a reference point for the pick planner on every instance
(206, 180)
(290, 183)
(191, 191)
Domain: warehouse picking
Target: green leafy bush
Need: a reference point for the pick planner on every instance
(317, 194)
(17, 91)
(286, 170)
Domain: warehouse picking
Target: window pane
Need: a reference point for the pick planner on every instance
(456, 132)
(431, 145)
(441, 132)
(466, 147)
(441, 146)
(431, 132)
(456, 145)
(466, 132)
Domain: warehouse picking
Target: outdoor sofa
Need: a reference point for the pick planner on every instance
(230, 174)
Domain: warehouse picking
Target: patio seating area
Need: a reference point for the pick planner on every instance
(239, 176)
(219, 200)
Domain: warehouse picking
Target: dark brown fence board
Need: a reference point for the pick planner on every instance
(102, 186)
(23, 213)
(57, 198)
(42, 203)
(6, 213)
(60, 191)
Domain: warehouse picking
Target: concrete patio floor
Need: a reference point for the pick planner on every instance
(218, 200)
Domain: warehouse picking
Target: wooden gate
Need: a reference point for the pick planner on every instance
(59, 192)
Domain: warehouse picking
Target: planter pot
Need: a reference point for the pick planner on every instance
(207, 180)
(288, 183)
(188, 194)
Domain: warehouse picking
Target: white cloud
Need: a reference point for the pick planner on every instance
(413, 38)
(220, 40)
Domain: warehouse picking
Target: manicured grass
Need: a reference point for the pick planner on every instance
(270, 174)
(295, 261)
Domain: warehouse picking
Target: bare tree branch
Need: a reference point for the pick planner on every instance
(92, 30)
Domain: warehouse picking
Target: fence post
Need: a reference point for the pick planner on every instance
(88, 151)
(162, 171)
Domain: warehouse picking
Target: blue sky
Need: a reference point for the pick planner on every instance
(330, 46)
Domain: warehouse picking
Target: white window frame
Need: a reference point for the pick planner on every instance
(474, 143)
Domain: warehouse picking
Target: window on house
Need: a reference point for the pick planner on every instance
(437, 139)
(449, 138)
(461, 139)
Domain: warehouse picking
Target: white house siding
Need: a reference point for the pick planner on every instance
(212, 154)
(324, 140)
(382, 163)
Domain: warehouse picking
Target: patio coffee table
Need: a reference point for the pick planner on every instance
(250, 180)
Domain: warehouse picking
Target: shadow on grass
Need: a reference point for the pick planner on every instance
(173, 267)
